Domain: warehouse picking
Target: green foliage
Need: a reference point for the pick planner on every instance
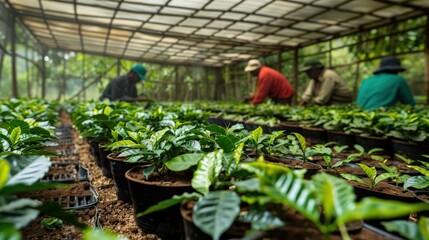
(215, 212)
(52, 223)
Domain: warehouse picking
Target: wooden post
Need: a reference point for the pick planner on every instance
(43, 72)
(118, 67)
(295, 75)
(27, 73)
(427, 59)
(177, 87)
(279, 61)
(13, 58)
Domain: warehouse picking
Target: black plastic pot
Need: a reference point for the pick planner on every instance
(411, 150)
(166, 223)
(104, 161)
(370, 142)
(118, 168)
(314, 135)
(341, 138)
(192, 232)
(95, 150)
(290, 127)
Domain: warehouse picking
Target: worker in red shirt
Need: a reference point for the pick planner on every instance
(271, 83)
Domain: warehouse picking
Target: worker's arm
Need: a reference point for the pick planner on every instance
(308, 93)
(405, 94)
(326, 91)
(264, 86)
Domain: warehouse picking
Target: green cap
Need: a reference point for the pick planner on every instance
(310, 64)
(140, 71)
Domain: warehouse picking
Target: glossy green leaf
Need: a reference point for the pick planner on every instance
(352, 177)
(19, 212)
(256, 134)
(336, 195)
(207, 171)
(301, 141)
(371, 172)
(107, 110)
(184, 162)
(9, 232)
(121, 143)
(216, 129)
(225, 143)
(215, 212)
(374, 208)
(4, 172)
(406, 229)
(31, 173)
(15, 134)
(418, 182)
(420, 170)
(261, 220)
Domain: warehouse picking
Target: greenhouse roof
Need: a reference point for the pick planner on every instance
(207, 32)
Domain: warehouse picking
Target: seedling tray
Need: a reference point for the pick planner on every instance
(66, 173)
(77, 196)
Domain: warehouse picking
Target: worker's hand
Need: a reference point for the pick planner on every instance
(141, 99)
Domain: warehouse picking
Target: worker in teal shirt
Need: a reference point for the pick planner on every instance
(385, 88)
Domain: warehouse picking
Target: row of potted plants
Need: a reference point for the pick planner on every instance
(28, 136)
(207, 160)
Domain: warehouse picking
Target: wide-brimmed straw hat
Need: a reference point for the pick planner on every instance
(253, 65)
(390, 64)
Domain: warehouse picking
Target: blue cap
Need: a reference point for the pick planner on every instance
(140, 71)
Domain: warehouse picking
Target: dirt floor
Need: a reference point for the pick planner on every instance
(114, 214)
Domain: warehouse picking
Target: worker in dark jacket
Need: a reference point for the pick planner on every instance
(123, 88)
(271, 83)
(385, 88)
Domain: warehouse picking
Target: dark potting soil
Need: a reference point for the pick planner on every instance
(164, 177)
(292, 163)
(385, 188)
(35, 231)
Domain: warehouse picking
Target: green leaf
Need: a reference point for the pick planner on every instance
(184, 162)
(283, 186)
(31, 173)
(122, 143)
(216, 129)
(248, 185)
(373, 150)
(19, 212)
(261, 220)
(301, 141)
(420, 170)
(383, 177)
(352, 177)
(154, 138)
(215, 212)
(133, 135)
(4, 172)
(371, 172)
(23, 125)
(418, 182)
(51, 223)
(15, 134)
(374, 208)
(336, 196)
(107, 110)
(9, 232)
(406, 229)
(164, 204)
(359, 148)
(424, 227)
(207, 171)
(225, 143)
(256, 134)
(105, 234)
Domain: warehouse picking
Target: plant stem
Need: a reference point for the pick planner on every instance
(343, 231)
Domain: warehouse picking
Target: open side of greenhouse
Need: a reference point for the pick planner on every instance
(193, 161)
(192, 40)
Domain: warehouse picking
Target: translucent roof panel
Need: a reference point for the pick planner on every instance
(201, 32)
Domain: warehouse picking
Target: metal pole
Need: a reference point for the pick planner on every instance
(427, 59)
(43, 71)
(295, 75)
(14, 78)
